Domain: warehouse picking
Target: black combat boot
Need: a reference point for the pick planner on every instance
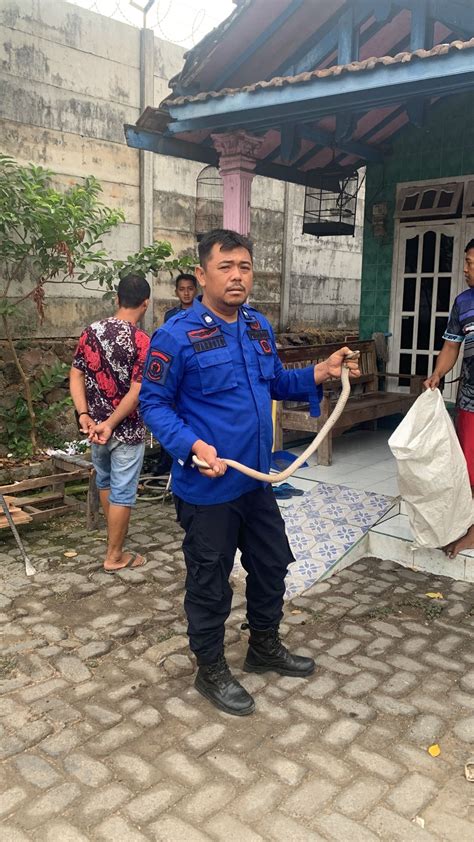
(216, 683)
(266, 653)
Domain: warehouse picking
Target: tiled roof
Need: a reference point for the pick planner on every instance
(336, 70)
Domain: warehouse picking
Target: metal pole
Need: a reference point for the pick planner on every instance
(146, 159)
(288, 215)
(29, 569)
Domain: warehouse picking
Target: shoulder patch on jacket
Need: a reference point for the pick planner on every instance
(158, 365)
(261, 335)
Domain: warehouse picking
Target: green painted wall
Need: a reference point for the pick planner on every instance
(443, 148)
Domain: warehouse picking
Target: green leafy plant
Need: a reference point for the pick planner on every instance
(49, 236)
(16, 422)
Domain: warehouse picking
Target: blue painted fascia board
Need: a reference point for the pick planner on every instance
(174, 147)
(383, 85)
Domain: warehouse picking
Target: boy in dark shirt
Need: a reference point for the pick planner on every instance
(186, 290)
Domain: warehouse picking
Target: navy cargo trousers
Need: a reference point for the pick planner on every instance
(253, 524)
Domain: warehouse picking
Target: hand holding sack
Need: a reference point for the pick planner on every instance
(432, 473)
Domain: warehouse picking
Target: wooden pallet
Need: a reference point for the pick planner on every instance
(18, 515)
(91, 507)
(47, 504)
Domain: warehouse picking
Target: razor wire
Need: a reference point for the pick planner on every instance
(181, 22)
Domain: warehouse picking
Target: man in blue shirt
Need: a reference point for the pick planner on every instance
(209, 381)
(460, 328)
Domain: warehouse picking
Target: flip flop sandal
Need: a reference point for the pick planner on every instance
(281, 493)
(295, 492)
(128, 565)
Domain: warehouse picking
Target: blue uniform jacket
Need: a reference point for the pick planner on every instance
(206, 379)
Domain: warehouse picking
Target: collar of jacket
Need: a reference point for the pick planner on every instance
(209, 319)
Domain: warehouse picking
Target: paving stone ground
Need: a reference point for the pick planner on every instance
(103, 736)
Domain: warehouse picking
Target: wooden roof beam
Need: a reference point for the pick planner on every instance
(156, 142)
(257, 44)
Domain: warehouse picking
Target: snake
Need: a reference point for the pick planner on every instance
(312, 447)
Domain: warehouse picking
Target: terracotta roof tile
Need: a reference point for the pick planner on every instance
(337, 70)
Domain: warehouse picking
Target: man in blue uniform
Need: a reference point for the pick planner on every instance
(211, 374)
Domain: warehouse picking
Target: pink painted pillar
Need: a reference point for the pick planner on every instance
(237, 160)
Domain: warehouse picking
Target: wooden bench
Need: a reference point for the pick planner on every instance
(369, 400)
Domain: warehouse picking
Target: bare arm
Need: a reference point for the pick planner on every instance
(446, 360)
(77, 388)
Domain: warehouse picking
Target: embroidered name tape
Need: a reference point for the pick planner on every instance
(257, 335)
(158, 366)
(206, 339)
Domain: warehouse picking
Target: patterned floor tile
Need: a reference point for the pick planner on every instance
(323, 525)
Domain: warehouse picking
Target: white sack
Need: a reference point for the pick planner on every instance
(432, 473)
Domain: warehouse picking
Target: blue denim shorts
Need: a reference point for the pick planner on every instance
(118, 467)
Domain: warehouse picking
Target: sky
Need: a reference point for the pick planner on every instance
(183, 22)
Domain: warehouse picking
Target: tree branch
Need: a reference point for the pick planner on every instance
(26, 382)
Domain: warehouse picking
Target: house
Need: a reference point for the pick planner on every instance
(310, 93)
(67, 113)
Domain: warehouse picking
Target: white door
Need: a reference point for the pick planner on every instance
(429, 276)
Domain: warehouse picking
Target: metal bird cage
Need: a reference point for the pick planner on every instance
(209, 201)
(330, 205)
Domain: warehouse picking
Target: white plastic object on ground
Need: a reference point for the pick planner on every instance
(432, 473)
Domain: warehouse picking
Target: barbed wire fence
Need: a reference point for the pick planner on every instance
(182, 22)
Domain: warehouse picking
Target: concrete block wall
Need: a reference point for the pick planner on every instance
(325, 273)
(70, 79)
